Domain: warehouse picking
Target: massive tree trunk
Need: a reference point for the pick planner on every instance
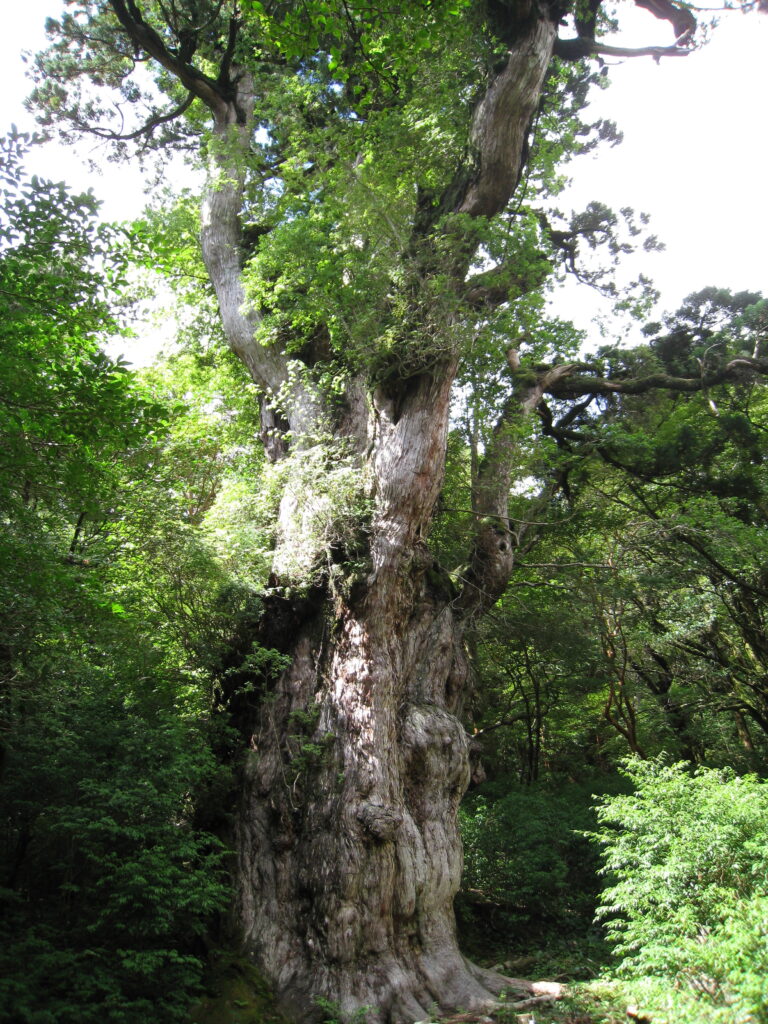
(348, 853)
(347, 841)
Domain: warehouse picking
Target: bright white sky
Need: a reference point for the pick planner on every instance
(694, 156)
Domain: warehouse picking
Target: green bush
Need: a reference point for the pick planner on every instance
(107, 887)
(523, 852)
(686, 859)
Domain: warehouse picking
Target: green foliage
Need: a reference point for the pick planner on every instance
(635, 619)
(164, 245)
(175, 560)
(328, 270)
(524, 856)
(352, 251)
(107, 880)
(689, 474)
(108, 887)
(66, 409)
(87, 51)
(686, 858)
(333, 1013)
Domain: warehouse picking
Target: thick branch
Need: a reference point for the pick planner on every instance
(495, 545)
(565, 384)
(560, 430)
(221, 238)
(146, 38)
(230, 98)
(675, 50)
(226, 61)
(408, 453)
(578, 48)
(585, 45)
(681, 19)
(502, 121)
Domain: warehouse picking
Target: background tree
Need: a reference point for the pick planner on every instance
(620, 633)
(108, 882)
(366, 230)
(685, 476)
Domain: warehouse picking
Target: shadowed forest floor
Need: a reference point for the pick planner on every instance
(236, 994)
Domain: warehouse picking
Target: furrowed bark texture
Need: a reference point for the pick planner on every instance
(503, 119)
(348, 850)
(348, 828)
(349, 856)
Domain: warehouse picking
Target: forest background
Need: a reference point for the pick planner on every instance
(140, 523)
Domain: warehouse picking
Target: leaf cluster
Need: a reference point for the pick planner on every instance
(684, 855)
(108, 877)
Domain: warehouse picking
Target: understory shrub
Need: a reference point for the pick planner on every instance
(525, 859)
(106, 886)
(685, 856)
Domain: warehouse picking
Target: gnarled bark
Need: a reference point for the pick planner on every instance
(347, 842)
(503, 119)
(349, 856)
(348, 850)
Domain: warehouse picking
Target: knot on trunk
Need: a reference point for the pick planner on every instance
(477, 771)
(381, 822)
